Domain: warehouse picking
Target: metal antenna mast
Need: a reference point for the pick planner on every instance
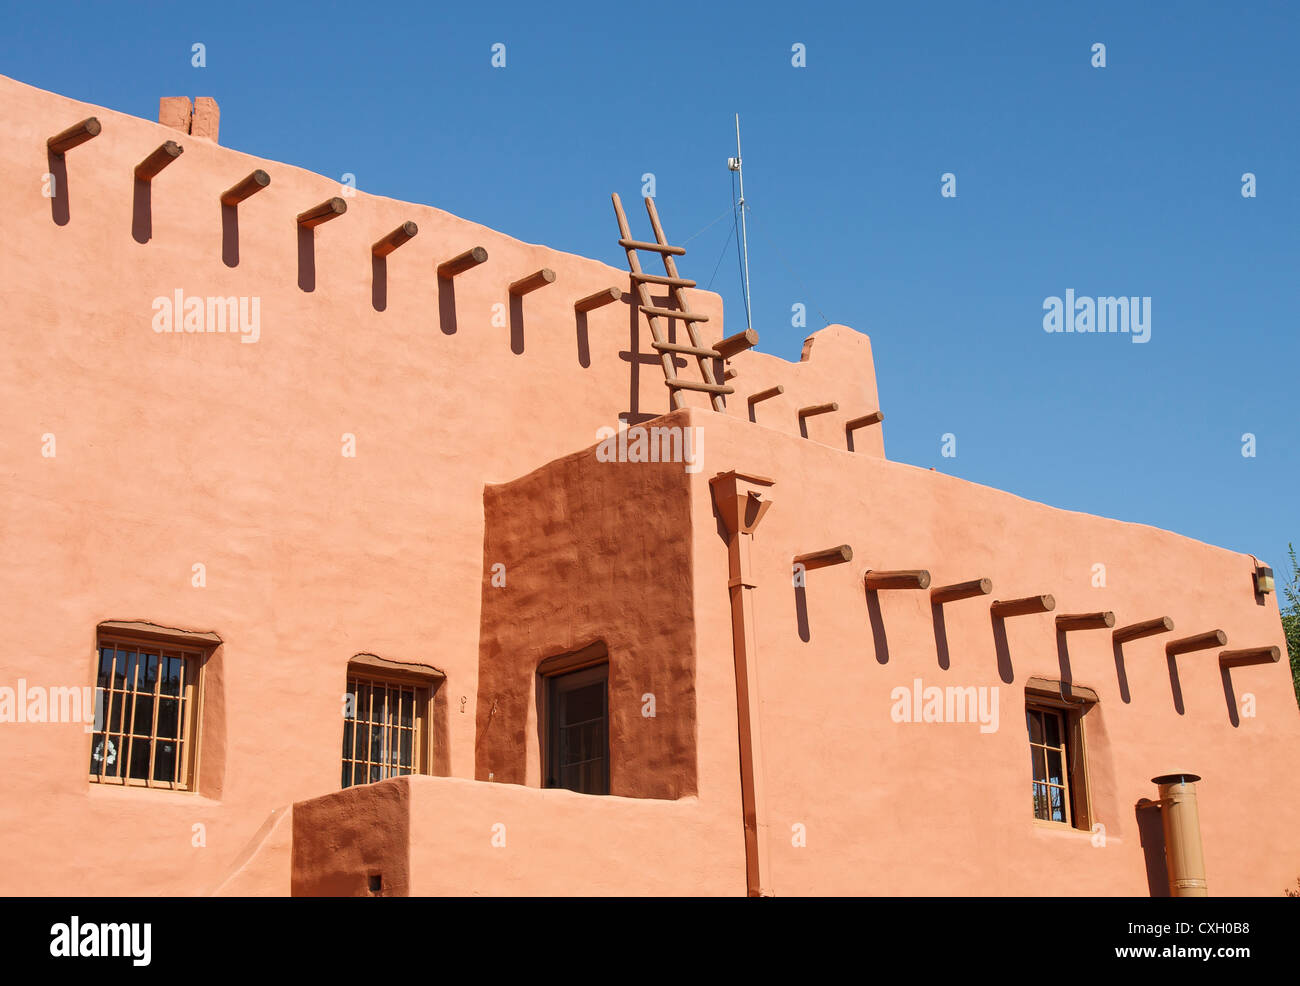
(733, 164)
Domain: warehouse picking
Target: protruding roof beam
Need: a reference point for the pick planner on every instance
(462, 262)
(251, 185)
(1067, 622)
(78, 133)
(383, 247)
(960, 590)
(1199, 641)
(917, 578)
(1147, 628)
(535, 280)
(1023, 606)
(597, 300)
(323, 213)
(165, 154)
(827, 556)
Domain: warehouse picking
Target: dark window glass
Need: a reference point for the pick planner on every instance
(577, 715)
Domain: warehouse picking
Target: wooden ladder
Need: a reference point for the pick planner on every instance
(668, 351)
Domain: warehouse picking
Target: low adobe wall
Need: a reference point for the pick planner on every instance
(343, 841)
(835, 367)
(443, 836)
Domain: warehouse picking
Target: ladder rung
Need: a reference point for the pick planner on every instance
(677, 282)
(674, 313)
(673, 347)
(708, 388)
(676, 251)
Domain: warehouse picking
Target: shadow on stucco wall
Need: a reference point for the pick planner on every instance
(1152, 834)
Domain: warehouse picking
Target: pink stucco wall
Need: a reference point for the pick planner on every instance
(179, 449)
(926, 808)
(856, 802)
(448, 836)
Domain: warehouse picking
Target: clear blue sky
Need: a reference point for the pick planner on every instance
(1122, 180)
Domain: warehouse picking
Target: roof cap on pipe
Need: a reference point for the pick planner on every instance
(1179, 778)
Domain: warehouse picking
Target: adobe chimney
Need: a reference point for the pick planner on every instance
(175, 112)
(200, 119)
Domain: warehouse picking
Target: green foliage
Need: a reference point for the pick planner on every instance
(1291, 617)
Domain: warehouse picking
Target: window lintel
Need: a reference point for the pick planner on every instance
(425, 674)
(1062, 694)
(585, 657)
(153, 632)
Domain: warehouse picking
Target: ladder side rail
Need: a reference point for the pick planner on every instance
(668, 360)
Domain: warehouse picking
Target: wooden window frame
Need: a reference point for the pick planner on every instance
(194, 650)
(1048, 697)
(591, 662)
(422, 681)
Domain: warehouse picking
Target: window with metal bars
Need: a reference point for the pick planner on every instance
(385, 730)
(147, 722)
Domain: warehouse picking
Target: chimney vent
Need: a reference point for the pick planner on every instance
(202, 118)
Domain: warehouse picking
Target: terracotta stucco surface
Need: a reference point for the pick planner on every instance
(173, 450)
(941, 808)
(469, 838)
(342, 841)
(592, 554)
(856, 801)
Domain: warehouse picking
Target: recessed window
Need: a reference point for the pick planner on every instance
(1057, 755)
(386, 724)
(577, 730)
(147, 719)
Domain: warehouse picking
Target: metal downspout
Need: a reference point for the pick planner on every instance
(740, 503)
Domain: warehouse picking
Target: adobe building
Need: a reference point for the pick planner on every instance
(382, 560)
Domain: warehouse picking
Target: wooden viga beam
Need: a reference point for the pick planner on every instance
(764, 395)
(874, 418)
(163, 155)
(960, 590)
(598, 300)
(917, 578)
(323, 213)
(738, 343)
(1147, 628)
(78, 133)
(402, 234)
(812, 409)
(1024, 606)
(827, 556)
(1066, 622)
(249, 186)
(535, 280)
(462, 262)
(1249, 655)
(1199, 641)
